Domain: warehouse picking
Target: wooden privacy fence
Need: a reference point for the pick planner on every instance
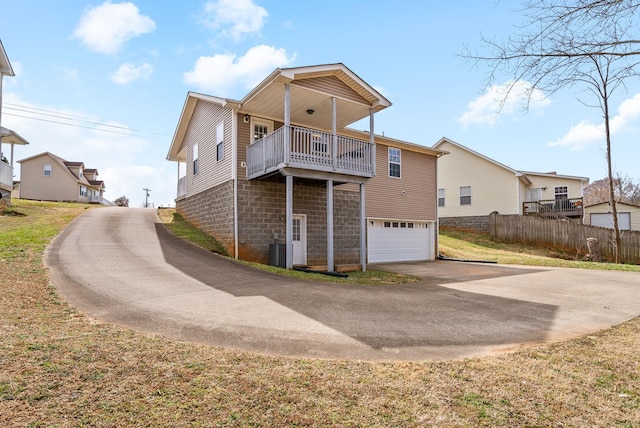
(563, 235)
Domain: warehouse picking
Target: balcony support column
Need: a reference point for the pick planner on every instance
(330, 256)
(372, 140)
(334, 134)
(287, 124)
(289, 224)
(363, 230)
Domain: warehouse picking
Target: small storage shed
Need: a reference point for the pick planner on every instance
(601, 215)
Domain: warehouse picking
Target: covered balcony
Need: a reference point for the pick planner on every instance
(7, 136)
(310, 149)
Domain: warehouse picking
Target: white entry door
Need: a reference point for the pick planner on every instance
(299, 239)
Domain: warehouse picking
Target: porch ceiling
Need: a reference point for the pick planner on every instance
(311, 88)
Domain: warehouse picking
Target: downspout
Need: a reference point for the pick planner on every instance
(1, 77)
(519, 201)
(436, 232)
(234, 177)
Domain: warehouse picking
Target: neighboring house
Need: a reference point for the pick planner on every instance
(471, 186)
(601, 215)
(280, 169)
(47, 177)
(7, 136)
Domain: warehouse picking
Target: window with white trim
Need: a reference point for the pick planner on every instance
(47, 170)
(196, 162)
(394, 162)
(261, 128)
(83, 191)
(441, 197)
(465, 195)
(561, 192)
(220, 142)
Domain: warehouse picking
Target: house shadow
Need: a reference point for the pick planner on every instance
(411, 315)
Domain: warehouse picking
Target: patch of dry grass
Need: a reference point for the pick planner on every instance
(479, 246)
(59, 368)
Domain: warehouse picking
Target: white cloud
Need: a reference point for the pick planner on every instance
(580, 135)
(129, 72)
(107, 27)
(503, 100)
(586, 133)
(234, 18)
(221, 73)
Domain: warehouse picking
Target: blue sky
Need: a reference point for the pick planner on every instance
(116, 75)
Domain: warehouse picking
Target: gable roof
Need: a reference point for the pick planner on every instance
(185, 118)
(309, 86)
(11, 137)
(66, 166)
(311, 89)
(617, 203)
(522, 175)
(5, 64)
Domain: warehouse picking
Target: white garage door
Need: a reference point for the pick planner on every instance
(606, 220)
(398, 241)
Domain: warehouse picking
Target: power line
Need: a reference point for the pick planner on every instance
(99, 125)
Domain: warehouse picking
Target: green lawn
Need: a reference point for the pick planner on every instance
(60, 368)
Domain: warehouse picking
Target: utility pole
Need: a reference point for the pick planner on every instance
(146, 197)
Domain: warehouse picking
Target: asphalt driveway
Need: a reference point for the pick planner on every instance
(121, 265)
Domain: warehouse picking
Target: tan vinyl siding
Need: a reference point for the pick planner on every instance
(59, 186)
(331, 85)
(411, 197)
(548, 185)
(493, 188)
(244, 139)
(244, 136)
(202, 131)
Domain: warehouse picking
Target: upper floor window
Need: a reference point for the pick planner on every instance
(562, 192)
(441, 197)
(465, 195)
(196, 162)
(261, 128)
(47, 170)
(220, 142)
(394, 162)
(80, 173)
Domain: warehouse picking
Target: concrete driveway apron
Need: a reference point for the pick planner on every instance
(122, 266)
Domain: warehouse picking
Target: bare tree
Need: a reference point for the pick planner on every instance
(625, 191)
(593, 44)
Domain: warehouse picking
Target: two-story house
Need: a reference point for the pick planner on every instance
(47, 177)
(7, 137)
(281, 168)
(471, 186)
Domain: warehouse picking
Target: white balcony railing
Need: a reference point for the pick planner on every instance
(6, 176)
(310, 149)
(182, 186)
